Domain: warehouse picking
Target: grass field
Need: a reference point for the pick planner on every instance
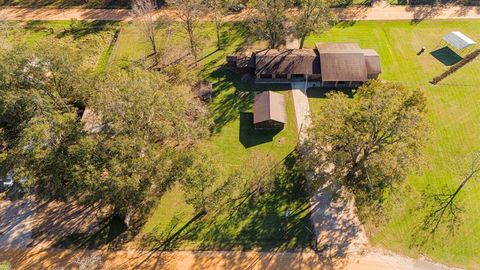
(91, 38)
(454, 112)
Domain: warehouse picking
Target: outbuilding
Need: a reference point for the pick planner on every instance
(458, 41)
(269, 111)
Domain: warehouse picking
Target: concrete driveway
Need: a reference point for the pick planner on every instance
(16, 223)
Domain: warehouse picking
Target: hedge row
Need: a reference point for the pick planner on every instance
(456, 67)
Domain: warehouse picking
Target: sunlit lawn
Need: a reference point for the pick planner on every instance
(454, 113)
(92, 38)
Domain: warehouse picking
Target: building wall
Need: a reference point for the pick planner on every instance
(268, 125)
(289, 76)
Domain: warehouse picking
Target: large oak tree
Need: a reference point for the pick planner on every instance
(370, 141)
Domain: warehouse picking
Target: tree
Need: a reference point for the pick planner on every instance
(199, 183)
(39, 91)
(143, 11)
(314, 16)
(190, 13)
(370, 142)
(271, 24)
(218, 9)
(5, 265)
(147, 125)
(256, 177)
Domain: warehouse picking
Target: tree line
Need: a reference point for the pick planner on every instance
(272, 20)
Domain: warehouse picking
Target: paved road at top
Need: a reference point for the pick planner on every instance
(416, 13)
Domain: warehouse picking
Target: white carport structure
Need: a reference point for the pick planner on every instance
(458, 41)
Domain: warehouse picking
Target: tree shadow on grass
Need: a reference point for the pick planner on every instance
(248, 136)
(108, 231)
(260, 220)
(446, 56)
(86, 28)
(231, 96)
(168, 239)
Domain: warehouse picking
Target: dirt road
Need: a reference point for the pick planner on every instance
(380, 12)
(52, 258)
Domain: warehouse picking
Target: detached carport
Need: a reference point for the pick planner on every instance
(458, 41)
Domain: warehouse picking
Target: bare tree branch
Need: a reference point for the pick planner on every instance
(143, 11)
(190, 12)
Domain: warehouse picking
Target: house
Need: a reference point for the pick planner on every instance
(269, 111)
(346, 64)
(333, 64)
(287, 64)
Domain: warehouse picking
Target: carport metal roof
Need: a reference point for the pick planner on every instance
(458, 40)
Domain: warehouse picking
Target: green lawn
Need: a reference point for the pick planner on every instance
(454, 114)
(92, 38)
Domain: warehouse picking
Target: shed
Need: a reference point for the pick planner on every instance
(458, 40)
(269, 111)
(203, 90)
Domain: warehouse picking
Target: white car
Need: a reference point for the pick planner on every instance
(8, 181)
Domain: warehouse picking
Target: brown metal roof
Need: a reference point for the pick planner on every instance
(372, 60)
(298, 61)
(342, 62)
(269, 106)
(338, 47)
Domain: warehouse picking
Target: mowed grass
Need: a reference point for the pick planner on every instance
(91, 38)
(258, 222)
(454, 113)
